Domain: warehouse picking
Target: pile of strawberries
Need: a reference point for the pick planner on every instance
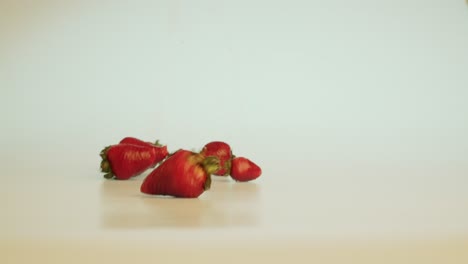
(183, 173)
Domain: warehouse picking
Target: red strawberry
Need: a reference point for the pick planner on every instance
(161, 151)
(124, 161)
(223, 152)
(182, 174)
(243, 169)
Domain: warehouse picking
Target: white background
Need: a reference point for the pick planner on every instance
(355, 110)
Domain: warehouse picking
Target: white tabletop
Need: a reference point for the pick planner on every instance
(355, 110)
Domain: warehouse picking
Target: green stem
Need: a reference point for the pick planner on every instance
(207, 184)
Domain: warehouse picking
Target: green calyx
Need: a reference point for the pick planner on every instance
(207, 184)
(158, 144)
(210, 165)
(105, 165)
(227, 166)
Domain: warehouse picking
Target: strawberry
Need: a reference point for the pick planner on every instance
(124, 161)
(161, 151)
(223, 152)
(243, 169)
(183, 174)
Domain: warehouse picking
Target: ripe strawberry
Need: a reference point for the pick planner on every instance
(243, 169)
(223, 152)
(161, 151)
(182, 174)
(124, 161)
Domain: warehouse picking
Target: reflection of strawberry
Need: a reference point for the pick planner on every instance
(243, 169)
(124, 161)
(223, 152)
(182, 174)
(160, 150)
